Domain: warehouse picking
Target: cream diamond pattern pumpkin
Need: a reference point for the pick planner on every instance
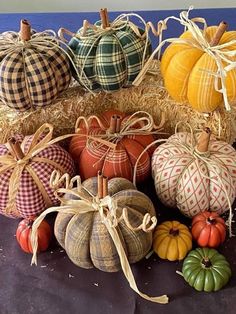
(195, 180)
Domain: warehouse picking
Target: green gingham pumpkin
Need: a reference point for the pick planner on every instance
(32, 72)
(109, 60)
(86, 239)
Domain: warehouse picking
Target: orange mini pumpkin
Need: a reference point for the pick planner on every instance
(116, 128)
(208, 229)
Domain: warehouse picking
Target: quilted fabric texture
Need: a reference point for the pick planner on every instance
(32, 75)
(186, 181)
(29, 199)
(110, 61)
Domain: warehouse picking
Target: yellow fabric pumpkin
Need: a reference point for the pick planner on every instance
(188, 70)
(172, 240)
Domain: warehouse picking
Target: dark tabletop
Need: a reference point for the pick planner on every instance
(56, 285)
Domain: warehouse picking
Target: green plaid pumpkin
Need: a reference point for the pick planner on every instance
(32, 72)
(86, 239)
(108, 60)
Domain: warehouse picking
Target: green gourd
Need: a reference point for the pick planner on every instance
(206, 269)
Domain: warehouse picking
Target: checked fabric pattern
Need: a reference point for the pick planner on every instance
(32, 76)
(29, 199)
(190, 184)
(111, 61)
(86, 239)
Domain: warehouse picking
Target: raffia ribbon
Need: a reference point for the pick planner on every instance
(217, 168)
(107, 209)
(42, 41)
(222, 57)
(98, 31)
(139, 123)
(42, 139)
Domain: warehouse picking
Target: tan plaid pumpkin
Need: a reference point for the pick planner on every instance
(34, 69)
(86, 238)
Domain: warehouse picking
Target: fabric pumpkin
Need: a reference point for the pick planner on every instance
(86, 239)
(33, 68)
(195, 180)
(25, 175)
(172, 240)
(109, 58)
(187, 70)
(91, 155)
(23, 235)
(206, 270)
(208, 229)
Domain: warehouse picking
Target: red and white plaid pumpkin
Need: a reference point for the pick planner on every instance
(32, 191)
(195, 177)
(91, 155)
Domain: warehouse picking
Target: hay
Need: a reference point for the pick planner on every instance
(150, 96)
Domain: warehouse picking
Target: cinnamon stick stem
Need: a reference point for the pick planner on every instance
(25, 30)
(107, 17)
(100, 184)
(203, 141)
(105, 186)
(16, 148)
(113, 124)
(118, 124)
(219, 33)
(103, 16)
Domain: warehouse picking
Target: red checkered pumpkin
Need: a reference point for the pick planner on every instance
(25, 181)
(92, 156)
(34, 69)
(195, 177)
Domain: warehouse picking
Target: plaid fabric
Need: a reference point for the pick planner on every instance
(29, 200)
(86, 239)
(33, 78)
(111, 61)
(91, 156)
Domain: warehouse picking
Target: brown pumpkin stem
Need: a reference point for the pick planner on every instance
(203, 141)
(100, 185)
(113, 124)
(174, 232)
(118, 124)
(25, 30)
(211, 220)
(206, 262)
(104, 18)
(16, 150)
(219, 33)
(104, 186)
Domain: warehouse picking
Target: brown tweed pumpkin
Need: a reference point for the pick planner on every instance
(86, 239)
(34, 69)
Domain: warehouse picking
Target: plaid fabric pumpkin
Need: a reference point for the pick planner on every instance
(86, 239)
(109, 60)
(92, 156)
(32, 72)
(34, 180)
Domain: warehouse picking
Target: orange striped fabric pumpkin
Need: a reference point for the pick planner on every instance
(91, 155)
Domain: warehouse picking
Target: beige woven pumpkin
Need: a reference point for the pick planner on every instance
(86, 238)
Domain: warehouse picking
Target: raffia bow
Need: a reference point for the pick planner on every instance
(192, 150)
(222, 57)
(107, 208)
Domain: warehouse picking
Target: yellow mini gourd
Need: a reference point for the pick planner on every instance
(172, 240)
(188, 71)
